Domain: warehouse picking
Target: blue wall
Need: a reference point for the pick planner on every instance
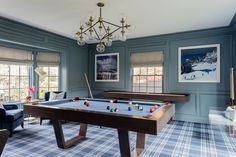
(203, 95)
(74, 59)
(79, 60)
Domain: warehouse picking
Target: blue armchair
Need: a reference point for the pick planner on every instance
(11, 117)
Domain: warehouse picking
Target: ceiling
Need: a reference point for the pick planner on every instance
(150, 17)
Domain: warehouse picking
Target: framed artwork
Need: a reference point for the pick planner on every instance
(107, 67)
(199, 63)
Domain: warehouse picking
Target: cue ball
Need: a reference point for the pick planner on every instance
(108, 107)
(130, 103)
(155, 106)
(151, 110)
(129, 108)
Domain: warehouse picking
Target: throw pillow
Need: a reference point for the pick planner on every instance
(54, 96)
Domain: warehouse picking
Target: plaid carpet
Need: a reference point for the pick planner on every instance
(180, 139)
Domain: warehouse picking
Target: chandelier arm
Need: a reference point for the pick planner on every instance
(104, 27)
(111, 32)
(94, 37)
(111, 23)
(90, 27)
(98, 38)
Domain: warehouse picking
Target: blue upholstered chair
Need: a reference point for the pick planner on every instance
(11, 117)
(46, 98)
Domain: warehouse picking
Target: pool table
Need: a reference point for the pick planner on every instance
(129, 117)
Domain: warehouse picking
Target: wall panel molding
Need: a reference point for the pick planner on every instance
(202, 94)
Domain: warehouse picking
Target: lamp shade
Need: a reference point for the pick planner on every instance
(40, 72)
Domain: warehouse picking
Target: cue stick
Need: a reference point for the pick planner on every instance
(87, 82)
(90, 92)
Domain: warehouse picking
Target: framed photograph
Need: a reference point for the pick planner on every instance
(199, 63)
(107, 67)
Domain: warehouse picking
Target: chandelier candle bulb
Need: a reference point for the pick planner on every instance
(232, 84)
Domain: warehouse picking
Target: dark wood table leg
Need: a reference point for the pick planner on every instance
(170, 121)
(140, 143)
(61, 143)
(125, 150)
(83, 129)
(123, 136)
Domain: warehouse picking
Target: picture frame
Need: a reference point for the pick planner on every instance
(199, 64)
(107, 67)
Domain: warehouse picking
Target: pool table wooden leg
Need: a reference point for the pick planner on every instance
(61, 143)
(140, 143)
(170, 121)
(125, 150)
(123, 136)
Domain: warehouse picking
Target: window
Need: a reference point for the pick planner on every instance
(147, 79)
(17, 73)
(49, 63)
(15, 66)
(49, 82)
(14, 82)
(147, 72)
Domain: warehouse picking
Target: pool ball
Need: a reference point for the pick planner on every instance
(130, 103)
(136, 106)
(112, 110)
(129, 108)
(108, 107)
(140, 108)
(155, 106)
(152, 110)
(86, 102)
(76, 98)
(116, 110)
(113, 101)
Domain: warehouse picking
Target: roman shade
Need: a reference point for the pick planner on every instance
(45, 58)
(12, 55)
(147, 59)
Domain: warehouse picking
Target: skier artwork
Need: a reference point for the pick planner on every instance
(199, 63)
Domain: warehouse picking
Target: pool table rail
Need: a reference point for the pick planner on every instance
(166, 97)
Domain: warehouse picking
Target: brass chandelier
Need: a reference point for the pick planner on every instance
(101, 31)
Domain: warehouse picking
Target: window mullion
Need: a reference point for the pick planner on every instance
(48, 78)
(9, 89)
(147, 80)
(19, 83)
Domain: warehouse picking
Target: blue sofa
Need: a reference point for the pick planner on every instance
(11, 117)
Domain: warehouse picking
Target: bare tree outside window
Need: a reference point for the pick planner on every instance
(147, 79)
(48, 82)
(14, 82)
